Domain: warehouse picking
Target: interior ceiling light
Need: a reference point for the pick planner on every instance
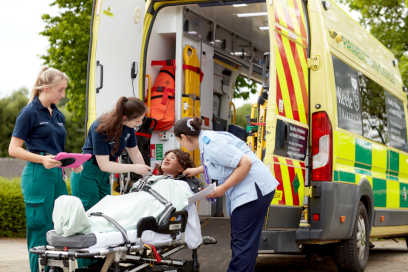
(252, 14)
(239, 5)
(264, 28)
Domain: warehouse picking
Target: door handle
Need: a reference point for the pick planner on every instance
(99, 64)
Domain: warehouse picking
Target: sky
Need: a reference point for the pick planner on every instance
(21, 44)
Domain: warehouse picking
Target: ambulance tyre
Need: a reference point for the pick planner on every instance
(352, 255)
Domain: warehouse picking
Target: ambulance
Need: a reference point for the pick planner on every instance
(331, 121)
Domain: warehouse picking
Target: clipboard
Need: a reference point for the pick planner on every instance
(72, 160)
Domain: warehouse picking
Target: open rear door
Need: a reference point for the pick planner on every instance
(287, 121)
(114, 54)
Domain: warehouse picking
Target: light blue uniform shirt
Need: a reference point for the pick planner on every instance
(221, 153)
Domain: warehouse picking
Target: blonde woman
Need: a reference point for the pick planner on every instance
(41, 127)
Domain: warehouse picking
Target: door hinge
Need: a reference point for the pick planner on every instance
(314, 63)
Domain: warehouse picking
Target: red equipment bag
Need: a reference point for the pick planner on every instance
(162, 96)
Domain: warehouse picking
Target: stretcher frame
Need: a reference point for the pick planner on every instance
(131, 258)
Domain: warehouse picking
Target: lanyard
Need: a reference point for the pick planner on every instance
(207, 179)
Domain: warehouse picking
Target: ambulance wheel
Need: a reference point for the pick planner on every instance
(352, 255)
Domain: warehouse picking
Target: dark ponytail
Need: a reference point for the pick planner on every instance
(188, 126)
(111, 123)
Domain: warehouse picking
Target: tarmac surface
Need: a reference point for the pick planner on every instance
(388, 255)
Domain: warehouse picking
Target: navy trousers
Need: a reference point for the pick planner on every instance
(246, 226)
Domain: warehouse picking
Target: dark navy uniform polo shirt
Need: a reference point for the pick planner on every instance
(41, 131)
(98, 144)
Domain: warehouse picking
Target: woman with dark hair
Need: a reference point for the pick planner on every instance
(107, 137)
(247, 183)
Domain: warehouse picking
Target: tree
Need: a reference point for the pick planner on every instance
(242, 113)
(10, 107)
(68, 36)
(388, 22)
(243, 83)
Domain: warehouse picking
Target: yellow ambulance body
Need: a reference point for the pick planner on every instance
(333, 130)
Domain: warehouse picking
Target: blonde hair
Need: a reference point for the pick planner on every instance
(46, 78)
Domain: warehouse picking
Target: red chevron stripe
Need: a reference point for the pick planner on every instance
(292, 176)
(299, 69)
(278, 176)
(298, 15)
(289, 22)
(279, 97)
(297, 61)
(289, 80)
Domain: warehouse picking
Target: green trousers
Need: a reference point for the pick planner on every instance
(40, 188)
(90, 185)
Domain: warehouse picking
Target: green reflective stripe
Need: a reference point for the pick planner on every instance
(363, 172)
(392, 165)
(380, 192)
(363, 154)
(403, 195)
(344, 176)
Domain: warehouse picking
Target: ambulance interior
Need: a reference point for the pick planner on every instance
(230, 40)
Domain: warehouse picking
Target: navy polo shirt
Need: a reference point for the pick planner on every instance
(98, 144)
(41, 131)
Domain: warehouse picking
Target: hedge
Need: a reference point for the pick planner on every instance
(12, 210)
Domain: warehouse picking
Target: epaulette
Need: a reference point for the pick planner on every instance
(206, 140)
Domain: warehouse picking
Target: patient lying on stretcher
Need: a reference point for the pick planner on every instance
(70, 218)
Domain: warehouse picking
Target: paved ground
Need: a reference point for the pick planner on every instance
(387, 256)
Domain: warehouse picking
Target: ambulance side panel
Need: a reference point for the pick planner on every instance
(114, 55)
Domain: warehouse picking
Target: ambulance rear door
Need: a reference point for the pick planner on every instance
(287, 120)
(114, 55)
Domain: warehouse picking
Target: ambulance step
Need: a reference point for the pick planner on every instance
(278, 241)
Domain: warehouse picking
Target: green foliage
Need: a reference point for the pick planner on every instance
(10, 107)
(388, 22)
(75, 133)
(242, 113)
(68, 36)
(12, 211)
(242, 83)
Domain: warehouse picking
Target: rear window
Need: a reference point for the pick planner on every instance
(365, 108)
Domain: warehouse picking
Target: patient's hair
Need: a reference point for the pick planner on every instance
(183, 159)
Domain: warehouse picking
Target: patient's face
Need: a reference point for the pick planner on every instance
(170, 165)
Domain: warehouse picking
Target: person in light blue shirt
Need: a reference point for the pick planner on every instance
(247, 183)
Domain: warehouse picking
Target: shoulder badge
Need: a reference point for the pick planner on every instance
(206, 140)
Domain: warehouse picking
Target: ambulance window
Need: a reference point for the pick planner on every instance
(348, 97)
(373, 110)
(396, 122)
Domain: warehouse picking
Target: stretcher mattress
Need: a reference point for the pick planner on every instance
(95, 241)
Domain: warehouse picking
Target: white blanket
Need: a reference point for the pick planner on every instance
(127, 210)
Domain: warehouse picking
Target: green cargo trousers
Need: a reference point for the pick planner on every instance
(90, 185)
(40, 188)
